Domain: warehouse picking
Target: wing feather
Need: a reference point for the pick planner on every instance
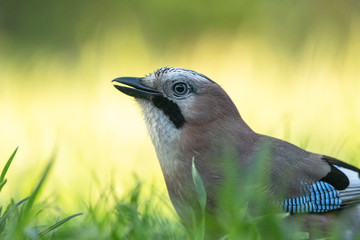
(339, 189)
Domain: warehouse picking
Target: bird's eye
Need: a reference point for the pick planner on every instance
(180, 89)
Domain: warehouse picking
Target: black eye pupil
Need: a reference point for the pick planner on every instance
(180, 88)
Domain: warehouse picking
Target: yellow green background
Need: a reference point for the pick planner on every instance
(291, 67)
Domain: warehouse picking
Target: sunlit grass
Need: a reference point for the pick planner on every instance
(20, 219)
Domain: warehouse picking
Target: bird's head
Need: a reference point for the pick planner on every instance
(179, 95)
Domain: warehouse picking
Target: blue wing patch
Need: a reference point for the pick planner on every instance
(323, 198)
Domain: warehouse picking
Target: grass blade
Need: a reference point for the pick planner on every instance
(199, 185)
(58, 224)
(7, 213)
(199, 232)
(27, 210)
(36, 191)
(5, 169)
(2, 184)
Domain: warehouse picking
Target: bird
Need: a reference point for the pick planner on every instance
(189, 116)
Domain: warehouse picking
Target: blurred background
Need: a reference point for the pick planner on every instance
(291, 67)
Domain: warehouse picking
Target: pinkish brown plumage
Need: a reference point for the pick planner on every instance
(189, 115)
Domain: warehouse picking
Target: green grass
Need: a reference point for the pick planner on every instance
(134, 215)
(110, 217)
(18, 220)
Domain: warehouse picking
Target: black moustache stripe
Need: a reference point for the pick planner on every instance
(170, 109)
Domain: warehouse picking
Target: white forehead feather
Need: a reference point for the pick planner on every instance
(170, 73)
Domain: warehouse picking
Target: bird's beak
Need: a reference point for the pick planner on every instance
(137, 90)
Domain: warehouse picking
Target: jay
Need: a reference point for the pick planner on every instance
(189, 116)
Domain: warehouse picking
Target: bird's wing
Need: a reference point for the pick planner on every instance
(338, 189)
(305, 182)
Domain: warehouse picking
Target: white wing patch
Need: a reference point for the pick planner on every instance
(353, 176)
(352, 193)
